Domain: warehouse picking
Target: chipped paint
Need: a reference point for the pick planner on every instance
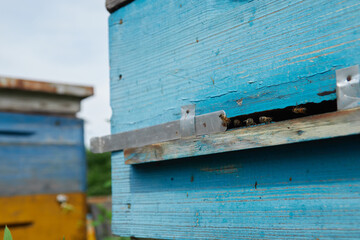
(325, 93)
(240, 101)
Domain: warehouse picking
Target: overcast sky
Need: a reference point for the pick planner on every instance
(60, 41)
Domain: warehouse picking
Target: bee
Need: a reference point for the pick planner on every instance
(298, 110)
(249, 122)
(237, 123)
(264, 119)
(226, 121)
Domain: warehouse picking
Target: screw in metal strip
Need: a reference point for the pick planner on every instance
(348, 87)
(187, 121)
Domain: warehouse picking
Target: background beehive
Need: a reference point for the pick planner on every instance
(42, 156)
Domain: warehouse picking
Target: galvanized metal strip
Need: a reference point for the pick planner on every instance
(187, 121)
(210, 123)
(204, 124)
(140, 137)
(348, 87)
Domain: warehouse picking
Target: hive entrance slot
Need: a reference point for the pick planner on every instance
(16, 133)
(278, 115)
(16, 225)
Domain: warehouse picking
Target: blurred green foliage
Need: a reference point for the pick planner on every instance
(98, 174)
(99, 184)
(103, 217)
(117, 238)
(7, 234)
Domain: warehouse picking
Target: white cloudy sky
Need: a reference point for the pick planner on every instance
(60, 41)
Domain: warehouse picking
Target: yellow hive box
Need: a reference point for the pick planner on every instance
(43, 217)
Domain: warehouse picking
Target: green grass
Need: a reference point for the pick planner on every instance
(7, 234)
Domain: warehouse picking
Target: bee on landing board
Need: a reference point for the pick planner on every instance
(299, 110)
(226, 121)
(237, 123)
(249, 122)
(264, 119)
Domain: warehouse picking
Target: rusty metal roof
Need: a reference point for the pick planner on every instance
(46, 87)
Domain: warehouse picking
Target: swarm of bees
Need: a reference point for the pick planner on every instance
(262, 119)
(250, 121)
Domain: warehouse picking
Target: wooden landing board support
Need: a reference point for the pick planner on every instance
(322, 126)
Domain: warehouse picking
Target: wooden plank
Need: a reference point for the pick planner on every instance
(329, 125)
(42, 217)
(41, 154)
(306, 190)
(45, 87)
(29, 129)
(238, 56)
(113, 5)
(40, 169)
(28, 102)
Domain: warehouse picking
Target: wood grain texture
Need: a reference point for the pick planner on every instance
(329, 125)
(238, 56)
(113, 5)
(41, 154)
(298, 191)
(27, 102)
(41, 217)
(242, 57)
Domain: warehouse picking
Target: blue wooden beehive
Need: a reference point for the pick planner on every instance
(248, 58)
(42, 159)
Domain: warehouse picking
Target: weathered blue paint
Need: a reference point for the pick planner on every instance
(241, 57)
(41, 154)
(39, 129)
(268, 54)
(298, 191)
